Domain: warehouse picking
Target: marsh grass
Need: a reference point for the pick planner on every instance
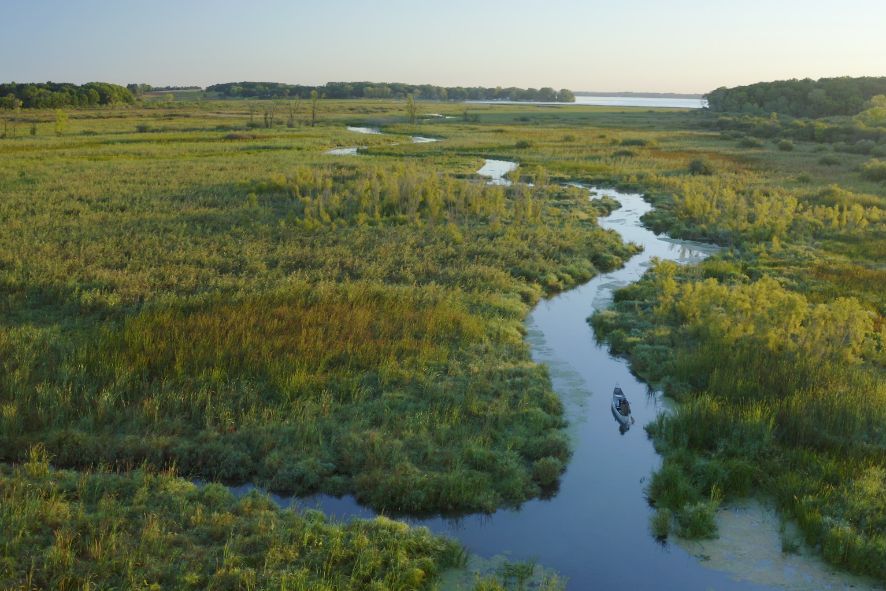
(146, 530)
(246, 308)
(119, 250)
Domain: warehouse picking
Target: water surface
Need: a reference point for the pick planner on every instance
(617, 101)
(497, 170)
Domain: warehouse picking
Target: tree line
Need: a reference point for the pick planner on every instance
(346, 90)
(800, 98)
(52, 95)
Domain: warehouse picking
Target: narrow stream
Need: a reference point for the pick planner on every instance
(595, 531)
(353, 151)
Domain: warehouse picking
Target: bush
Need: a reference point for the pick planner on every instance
(635, 142)
(829, 161)
(143, 128)
(874, 170)
(523, 144)
(546, 471)
(700, 167)
(623, 154)
(750, 142)
(862, 147)
(786, 146)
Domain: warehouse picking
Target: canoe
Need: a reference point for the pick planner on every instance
(621, 408)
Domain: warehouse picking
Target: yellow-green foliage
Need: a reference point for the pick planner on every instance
(63, 530)
(875, 114)
(777, 393)
(160, 303)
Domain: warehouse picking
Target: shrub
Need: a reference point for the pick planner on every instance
(546, 471)
(829, 161)
(874, 170)
(143, 128)
(750, 142)
(635, 142)
(700, 167)
(523, 144)
(786, 146)
(622, 154)
(862, 147)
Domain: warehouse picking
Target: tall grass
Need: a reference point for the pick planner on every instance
(64, 530)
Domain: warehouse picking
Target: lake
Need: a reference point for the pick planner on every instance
(618, 101)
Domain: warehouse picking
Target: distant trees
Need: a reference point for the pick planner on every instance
(10, 102)
(138, 89)
(800, 98)
(346, 90)
(51, 95)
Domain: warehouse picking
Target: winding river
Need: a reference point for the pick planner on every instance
(595, 531)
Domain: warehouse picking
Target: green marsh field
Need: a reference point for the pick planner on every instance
(196, 290)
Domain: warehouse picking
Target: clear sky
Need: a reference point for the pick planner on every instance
(660, 45)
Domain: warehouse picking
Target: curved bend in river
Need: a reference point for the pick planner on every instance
(595, 531)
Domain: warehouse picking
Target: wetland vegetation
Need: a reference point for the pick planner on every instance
(186, 294)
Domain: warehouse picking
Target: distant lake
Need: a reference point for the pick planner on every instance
(621, 101)
(640, 101)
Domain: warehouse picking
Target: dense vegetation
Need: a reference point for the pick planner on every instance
(234, 301)
(51, 95)
(800, 98)
(346, 90)
(277, 315)
(68, 530)
(775, 347)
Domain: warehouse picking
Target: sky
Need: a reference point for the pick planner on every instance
(627, 45)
